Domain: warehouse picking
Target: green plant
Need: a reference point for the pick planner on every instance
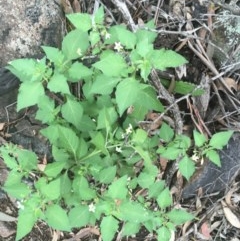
(102, 160)
(178, 147)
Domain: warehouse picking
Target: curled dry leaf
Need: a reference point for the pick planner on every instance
(206, 230)
(230, 216)
(2, 126)
(231, 83)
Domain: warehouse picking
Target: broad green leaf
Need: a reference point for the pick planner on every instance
(146, 157)
(50, 190)
(163, 234)
(107, 175)
(107, 117)
(156, 188)
(75, 44)
(58, 84)
(178, 216)
(164, 199)
(9, 160)
(24, 69)
(145, 34)
(139, 137)
(82, 148)
(148, 94)
(145, 180)
(81, 21)
(27, 159)
(99, 16)
(220, 139)
(182, 142)
(81, 187)
(118, 189)
(18, 190)
(66, 184)
(214, 157)
(162, 59)
(26, 221)
(78, 71)
(46, 110)
(182, 87)
(52, 133)
(199, 139)
(54, 55)
(29, 94)
(166, 132)
(99, 141)
(79, 216)
(72, 111)
(186, 167)
(134, 212)
(170, 153)
(109, 227)
(116, 61)
(57, 218)
(14, 177)
(145, 69)
(53, 169)
(94, 37)
(87, 124)
(127, 94)
(59, 155)
(124, 36)
(139, 111)
(68, 139)
(104, 84)
(130, 228)
(144, 48)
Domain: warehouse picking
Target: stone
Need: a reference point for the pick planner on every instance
(215, 179)
(25, 25)
(226, 39)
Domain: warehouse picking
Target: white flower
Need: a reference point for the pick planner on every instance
(107, 35)
(79, 52)
(118, 149)
(129, 129)
(195, 157)
(92, 208)
(123, 135)
(118, 46)
(20, 205)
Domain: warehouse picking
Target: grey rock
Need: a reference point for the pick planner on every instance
(25, 25)
(226, 39)
(214, 179)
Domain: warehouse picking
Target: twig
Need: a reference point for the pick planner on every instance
(126, 14)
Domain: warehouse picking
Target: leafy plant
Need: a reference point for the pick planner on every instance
(102, 159)
(178, 147)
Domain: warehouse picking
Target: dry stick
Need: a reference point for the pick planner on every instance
(177, 119)
(126, 14)
(211, 67)
(159, 4)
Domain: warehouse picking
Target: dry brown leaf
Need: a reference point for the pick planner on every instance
(163, 163)
(2, 126)
(206, 230)
(230, 216)
(41, 167)
(231, 83)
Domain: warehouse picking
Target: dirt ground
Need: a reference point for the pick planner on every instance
(187, 27)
